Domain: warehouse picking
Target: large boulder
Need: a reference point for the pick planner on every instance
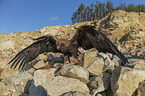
(45, 82)
(140, 91)
(74, 71)
(124, 81)
(93, 63)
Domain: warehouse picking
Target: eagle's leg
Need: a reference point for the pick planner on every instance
(75, 60)
(66, 59)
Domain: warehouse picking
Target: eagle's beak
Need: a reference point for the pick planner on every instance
(58, 47)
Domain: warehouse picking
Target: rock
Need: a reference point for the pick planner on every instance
(42, 57)
(3, 62)
(74, 71)
(93, 63)
(50, 30)
(108, 63)
(31, 70)
(124, 81)
(7, 93)
(51, 85)
(39, 64)
(139, 64)
(3, 87)
(7, 75)
(2, 84)
(100, 83)
(11, 88)
(140, 91)
(24, 94)
(143, 49)
(89, 58)
(40, 79)
(142, 55)
(70, 84)
(129, 25)
(102, 94)
(1, 72)
(6, 44)
(18, 94)
(75, 93)
(20, 81)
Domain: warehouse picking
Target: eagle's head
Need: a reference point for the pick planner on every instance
(62, 43)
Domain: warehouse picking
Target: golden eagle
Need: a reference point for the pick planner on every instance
(86, 37)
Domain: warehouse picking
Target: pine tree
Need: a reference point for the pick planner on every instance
(85, 15)
(131, 8)
(103, 10)
(91, 12)
(88, 13)
(79, 14)
(122, 6)
(143, 8)
(82, 7)
(74, 17)
(138, 9)
(109, 7)
(99, 10)
(96, 10)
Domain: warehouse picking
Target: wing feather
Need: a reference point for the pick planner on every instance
(87, 37)
(42, 44)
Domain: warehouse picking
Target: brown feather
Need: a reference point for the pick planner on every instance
(87, 37)
(42, 44)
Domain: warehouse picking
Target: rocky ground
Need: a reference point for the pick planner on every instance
(98, 74)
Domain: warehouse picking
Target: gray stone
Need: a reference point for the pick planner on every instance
(3, 87)
(124, 81)
(6, 93)
(139, 64)
(74, 71)
(54, 85)
(18, 94)
(11, 88)
(100, 83)
(140, 91)
(39, 64)
(20, 80)
(93, 63)
(108, 63)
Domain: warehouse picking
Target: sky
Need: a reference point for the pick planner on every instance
(31, 15)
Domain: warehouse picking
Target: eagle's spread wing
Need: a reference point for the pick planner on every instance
(87, 37)
(42, 44)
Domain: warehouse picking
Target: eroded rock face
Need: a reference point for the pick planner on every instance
(99, 74)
